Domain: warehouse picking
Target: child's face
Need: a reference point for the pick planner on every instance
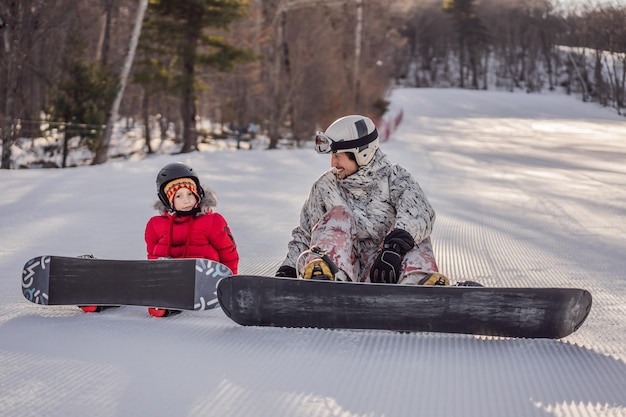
(184, 200)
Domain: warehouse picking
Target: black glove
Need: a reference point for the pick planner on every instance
(286, 271)
(387, 266)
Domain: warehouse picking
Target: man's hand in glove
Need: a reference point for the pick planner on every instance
(387, 266)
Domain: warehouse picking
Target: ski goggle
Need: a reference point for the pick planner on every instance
(324, 144)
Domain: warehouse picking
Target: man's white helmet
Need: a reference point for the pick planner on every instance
(355, 134)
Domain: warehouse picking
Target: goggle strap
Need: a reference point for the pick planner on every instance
(356, 143)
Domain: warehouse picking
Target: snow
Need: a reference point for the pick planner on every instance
(529, 191)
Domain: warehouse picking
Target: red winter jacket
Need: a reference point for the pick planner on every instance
(196, 236)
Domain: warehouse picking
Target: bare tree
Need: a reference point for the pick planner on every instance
(28, 29)
(13, 30)
(103, 147)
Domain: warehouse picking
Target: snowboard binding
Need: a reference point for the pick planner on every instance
(320, 268)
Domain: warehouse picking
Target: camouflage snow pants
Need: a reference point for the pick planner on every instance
(336, 234)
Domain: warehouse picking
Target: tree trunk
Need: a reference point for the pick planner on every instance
(581, 79)
(473, 60)
(66, 143)
(104, 51)
(274, 122)
(461, 63)
(13, 34)
(103, 147)
(146, 120)
(187, 107)
(7, 140)
(358, 41)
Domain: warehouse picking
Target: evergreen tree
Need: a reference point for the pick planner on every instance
(83, 99)
(180, 29)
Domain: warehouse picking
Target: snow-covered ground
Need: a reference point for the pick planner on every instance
(530, 190)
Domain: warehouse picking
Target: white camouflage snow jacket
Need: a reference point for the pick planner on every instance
(382, 196)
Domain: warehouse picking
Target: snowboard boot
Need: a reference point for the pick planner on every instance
(162, 312)
(318, 269)
(95, 309)
(469, 284)
(434, 278)
(91, 309)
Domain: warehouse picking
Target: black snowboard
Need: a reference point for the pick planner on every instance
(182, 284)
(510, 312)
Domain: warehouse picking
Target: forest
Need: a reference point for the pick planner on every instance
(75, 68)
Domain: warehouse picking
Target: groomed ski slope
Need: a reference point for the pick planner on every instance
(529, 191)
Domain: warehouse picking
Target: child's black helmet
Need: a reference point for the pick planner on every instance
(172, 172)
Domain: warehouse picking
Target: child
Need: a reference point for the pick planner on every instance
(187, 227)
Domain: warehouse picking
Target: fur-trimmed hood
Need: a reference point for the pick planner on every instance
(208, 202)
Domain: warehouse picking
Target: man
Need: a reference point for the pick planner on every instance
(365, 219)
